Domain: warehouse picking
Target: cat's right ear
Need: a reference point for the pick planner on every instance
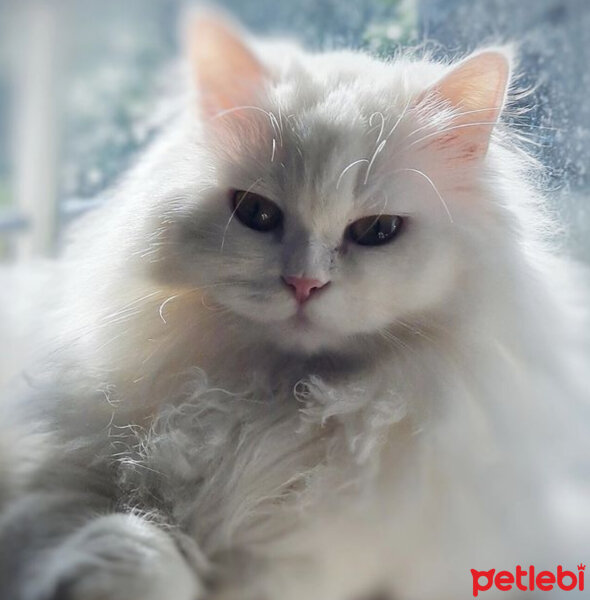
(226, 72)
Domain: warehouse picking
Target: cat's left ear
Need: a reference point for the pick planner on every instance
(476, 90)
(226, 71)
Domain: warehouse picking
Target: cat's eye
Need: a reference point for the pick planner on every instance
(255, 211)
(375, 230)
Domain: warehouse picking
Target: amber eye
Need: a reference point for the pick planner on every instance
(255, 211)
(375, 230)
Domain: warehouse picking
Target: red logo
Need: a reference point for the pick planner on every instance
(529, 580)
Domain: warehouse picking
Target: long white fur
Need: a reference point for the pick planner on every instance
(432, 420)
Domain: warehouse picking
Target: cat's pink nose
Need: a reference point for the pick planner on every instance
(304, 286)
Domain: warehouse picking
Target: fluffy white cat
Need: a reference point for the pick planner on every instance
(316, 345)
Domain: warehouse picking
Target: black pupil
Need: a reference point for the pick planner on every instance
(256, 212)
(375, 231)
(381, 231)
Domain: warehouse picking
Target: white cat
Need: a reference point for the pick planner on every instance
(316, 345)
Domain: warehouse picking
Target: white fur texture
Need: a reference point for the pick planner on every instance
(429, 417)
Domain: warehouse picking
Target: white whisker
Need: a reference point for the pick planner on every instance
(234, 212)
(276, 127)
(399, 119)
(352, 164)
(422, 174)
(382, 126)
(234, 109)
(377, 151)
(447, 129)
(163, 306)
(454, 116)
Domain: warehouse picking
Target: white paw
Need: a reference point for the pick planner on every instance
(117, 557)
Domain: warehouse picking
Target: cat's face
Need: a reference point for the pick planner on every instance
(329, 214)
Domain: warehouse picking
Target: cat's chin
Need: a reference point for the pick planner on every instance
(291, 330)
(299, 333)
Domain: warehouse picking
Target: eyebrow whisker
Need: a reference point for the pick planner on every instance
(352, 164)
(234, 212)
(432, 184)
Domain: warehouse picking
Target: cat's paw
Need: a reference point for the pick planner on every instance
(117, 557)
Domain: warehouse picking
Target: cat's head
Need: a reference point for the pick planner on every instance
(337, 194)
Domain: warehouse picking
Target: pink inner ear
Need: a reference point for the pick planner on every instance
(476, 89)
(227, 73)
(479, 82)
